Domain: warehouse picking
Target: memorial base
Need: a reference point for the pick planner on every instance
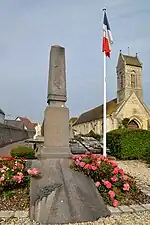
(62, 195)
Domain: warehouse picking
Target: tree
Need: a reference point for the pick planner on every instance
(125, 122)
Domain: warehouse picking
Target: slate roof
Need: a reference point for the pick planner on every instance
(1, 112)
(97, 113)
(132, 60)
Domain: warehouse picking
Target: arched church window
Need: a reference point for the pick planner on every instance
(133, 124)
(133, 79)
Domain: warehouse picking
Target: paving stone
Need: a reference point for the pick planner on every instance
(146, 206)
(137, 208)
(22, 213)
(125, 209)
(7, 213)
(114, 210)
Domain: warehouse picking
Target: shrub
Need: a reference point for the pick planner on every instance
(23, 151)
(128, 143)
(125, 122)
(113, 184)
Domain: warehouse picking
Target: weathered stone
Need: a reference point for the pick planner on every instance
(61, 195)
(57, 75)
(7, 213)
(125, 209)
(137, 208)
(67, 196)
(146, 206)
(22, 213)
(114, 210)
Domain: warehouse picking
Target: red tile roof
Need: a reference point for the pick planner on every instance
(29, 125)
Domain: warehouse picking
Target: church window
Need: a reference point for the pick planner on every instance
(133, 79)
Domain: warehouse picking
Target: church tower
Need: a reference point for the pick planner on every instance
(129, 77)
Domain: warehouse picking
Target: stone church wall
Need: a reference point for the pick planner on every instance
(10, 134)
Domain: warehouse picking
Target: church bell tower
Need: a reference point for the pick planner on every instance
(129, 77)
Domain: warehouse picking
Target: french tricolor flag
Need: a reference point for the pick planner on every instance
(107, 37)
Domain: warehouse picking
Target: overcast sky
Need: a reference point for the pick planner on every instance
(29, 27)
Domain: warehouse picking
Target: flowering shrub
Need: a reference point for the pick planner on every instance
(13, 173)
(111, 181)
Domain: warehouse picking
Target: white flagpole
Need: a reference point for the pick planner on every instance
(104, 109)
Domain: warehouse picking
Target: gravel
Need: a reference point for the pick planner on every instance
(139, 170)
(123, 219)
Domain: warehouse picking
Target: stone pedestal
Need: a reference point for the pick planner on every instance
(62, 195)
(56, 133)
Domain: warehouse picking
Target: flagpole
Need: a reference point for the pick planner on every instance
(104, 109)
(104, 105)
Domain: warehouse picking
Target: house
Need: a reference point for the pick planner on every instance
(129, 102)
(28, 125)
(14, 123)
(2, 116)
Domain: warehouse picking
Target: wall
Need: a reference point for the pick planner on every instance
(2, 118)
(10, 134)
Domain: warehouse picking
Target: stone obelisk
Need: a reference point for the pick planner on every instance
(56, 119)
(60, 195)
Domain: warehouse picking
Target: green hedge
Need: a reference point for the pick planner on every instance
(23, 152)
(128, 143)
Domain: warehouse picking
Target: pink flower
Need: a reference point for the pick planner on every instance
(77, 163)
(112, 194)
(113, 163)
(107, 184)
(121, 171)
(2, 179)
(94, 156)
(114, 179)
(93, 167)
(115, 203)
(18, 177)
(33, 171)
(116, 170)
(82, 164)
(74, 157)
(102, 157)
(20, 174)
(126, 187)
(87, 166)
(97, 184)
(3, 170)
(98, 164)
(125, 177)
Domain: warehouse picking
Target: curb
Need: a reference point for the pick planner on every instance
(113, 211)
(128, 209)
(15, 214)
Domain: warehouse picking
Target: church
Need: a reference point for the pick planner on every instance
(128, 104)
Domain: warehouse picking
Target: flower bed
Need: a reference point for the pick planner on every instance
(14, 183)
(116, 187)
